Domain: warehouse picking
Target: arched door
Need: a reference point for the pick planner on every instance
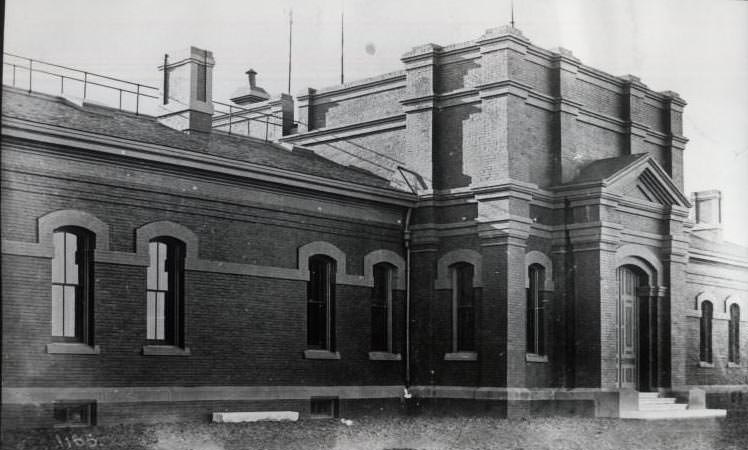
(628, 334)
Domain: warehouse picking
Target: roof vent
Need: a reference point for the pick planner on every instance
(253, 94)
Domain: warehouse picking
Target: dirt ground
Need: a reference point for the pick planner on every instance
(401, 433)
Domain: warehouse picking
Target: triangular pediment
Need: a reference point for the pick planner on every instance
(648, 187)
(634, 176)
(645, 179)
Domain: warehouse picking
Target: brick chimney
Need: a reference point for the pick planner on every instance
(708, 214)
(187, 90)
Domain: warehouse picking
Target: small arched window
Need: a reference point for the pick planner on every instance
(705, 347)
(381, 308)
(463, 308)
(72, 284)
(734, 334)
(535, 310)
(165, 292)
(321, 303)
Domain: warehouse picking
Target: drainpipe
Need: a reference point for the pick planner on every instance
(406, 240)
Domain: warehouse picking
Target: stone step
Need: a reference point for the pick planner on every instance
(663, 407)
(649, 394)
(682, 414)
(659, 400)
(254, 416)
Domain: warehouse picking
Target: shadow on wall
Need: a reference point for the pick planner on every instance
(450, 151)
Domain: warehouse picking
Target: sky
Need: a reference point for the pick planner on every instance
(698, 48)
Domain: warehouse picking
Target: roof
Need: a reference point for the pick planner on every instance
(605, 168)
(637, 175)
(57, 111)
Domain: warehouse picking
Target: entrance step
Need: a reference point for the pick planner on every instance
(653, 406)
(674, 415)
(656, 401)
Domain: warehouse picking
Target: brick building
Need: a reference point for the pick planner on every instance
(496, 227)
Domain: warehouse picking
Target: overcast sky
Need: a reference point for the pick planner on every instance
(696, 48)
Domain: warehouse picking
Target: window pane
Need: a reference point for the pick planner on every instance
(541, 331)
(530, 320)
(466, 328)
(58, 262)
(57, 304)
(315, 324)
(734, 334)
(381, 276)
(151, 315)
(163, 277)
(153, 265)
(379, 328)
(69, 312)
(465, 285)
(706, 332)
(318, 296)
(160, 301)
(71, 268)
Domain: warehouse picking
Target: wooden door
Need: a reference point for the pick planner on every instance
(628, 335)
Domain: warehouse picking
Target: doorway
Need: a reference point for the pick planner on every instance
(637, 331)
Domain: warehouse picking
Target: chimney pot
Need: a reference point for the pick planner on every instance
(252, 78)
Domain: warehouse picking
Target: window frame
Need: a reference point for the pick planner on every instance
(536, 315)
(384, 303)
(331, 403)
(173, 317)
(705, 332)
(326, 266)
(87, 408)
(83, 321)
(733, 334)
(457, 278)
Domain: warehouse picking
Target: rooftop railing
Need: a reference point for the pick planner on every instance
(40, 76)
(228, 116)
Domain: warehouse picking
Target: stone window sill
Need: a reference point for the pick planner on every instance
(706, 364)
(534, 358)
(461, 356)
(72, 348)
(384, 356)
(733, 365)
(320, 354)
(165, 350)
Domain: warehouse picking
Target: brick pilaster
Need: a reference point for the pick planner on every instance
(566, 67)
(419, 104)
(633, 101)
(676, 142)
(675, 260)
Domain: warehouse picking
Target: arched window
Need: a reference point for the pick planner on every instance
(321, 303)
(463, 308)
(381, 308)
(535, 310)
(706, 332)
(165, 292)
(72, 284)
(734, 334)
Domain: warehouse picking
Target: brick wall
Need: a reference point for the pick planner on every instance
(721, 373)
(241, 329)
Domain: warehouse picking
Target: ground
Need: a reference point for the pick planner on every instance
(401, 433)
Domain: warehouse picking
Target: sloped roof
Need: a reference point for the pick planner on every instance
(650, 179)
(59, 112)
(605, 168)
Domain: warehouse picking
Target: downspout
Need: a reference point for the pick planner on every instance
(406, 240)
